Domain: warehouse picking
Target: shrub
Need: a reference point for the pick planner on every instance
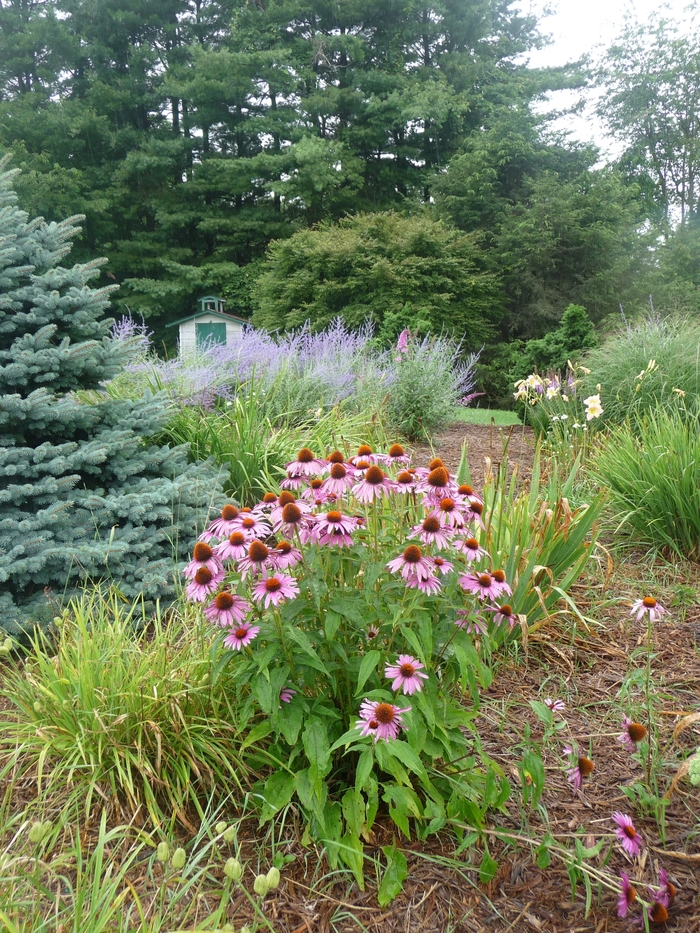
(639, 368)
(652, 469)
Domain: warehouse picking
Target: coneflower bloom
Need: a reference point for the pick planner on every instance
(252, 526)
(405, 482)
(269, 501)
(429, 586)
(314, 491)
(556, 706)
(437, 485)
(406, 675)
(472, 624)
(241, 636)
(227, 609)
(432, 532)
(482, 584)
(233, 548)
(468, 493)
(333, 528)
(627, 835)
(471, 549)
(372, 631)
(294, 515)
(668, 890)
(203, 584)
(202, 556)
(286, 694)
(284, 555)
(473, 512)
(412, 565)
(658, 910)
(364, 454)
(223, 526)
(627, 896)
(273, 590)
(396, 454)
(335, 457)
(449, 513)
(293, 482)
(306, 464)
(582, 768)
(503, 587)
(256, 561)
(374, 484)
(442, 566)
(503, 613)
(649, 605)
(340, 480)
(632, 733)
(381, 720)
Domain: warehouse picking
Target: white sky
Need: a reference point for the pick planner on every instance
(580, 27)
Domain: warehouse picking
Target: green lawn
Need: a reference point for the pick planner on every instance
(486, 416)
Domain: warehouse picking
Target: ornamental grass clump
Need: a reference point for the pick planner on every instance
(365, 611)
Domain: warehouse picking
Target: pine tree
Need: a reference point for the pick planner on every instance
(83, 496)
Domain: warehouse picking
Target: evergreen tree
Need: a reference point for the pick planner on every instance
(83, 496)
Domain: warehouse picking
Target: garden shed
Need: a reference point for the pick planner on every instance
(210, 325)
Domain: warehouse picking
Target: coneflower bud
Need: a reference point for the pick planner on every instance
(291, 514)
(202, 552)
(179, 859)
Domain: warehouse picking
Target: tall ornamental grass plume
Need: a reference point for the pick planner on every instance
(645, 367)
(114, 704)
(433, 377)
(356, 610)
(652, 469)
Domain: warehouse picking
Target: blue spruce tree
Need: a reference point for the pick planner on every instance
(83, 495)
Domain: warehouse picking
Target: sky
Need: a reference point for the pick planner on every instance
(580, 27)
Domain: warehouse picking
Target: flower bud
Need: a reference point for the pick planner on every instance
(179, 859)
(230, 835)
(7, 646)
(233, 869)
(260, 885)
(220, 827)
(38, 831)
(37, 707)
(273, 878)
(163, 852)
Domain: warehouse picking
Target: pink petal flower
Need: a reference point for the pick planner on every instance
(407, 674)
(381, 720)
(241, 636)
(627, 835)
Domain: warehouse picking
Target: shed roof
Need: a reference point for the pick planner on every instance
(223, 317)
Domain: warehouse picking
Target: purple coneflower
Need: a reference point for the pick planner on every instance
(374, 484)
(341, 479)
(271, 591)
(314, 491)
(556, 706)
(284, 555)
(372, 631)
(286, 695)
(412, 564)
(334, 528)
(252, 526)
(472, 624)
(437, 485)
(241, 636)
(233, 548)
(432, 532)
(627, 835)
(482, 584)
(406, 674)
(227, 609)
(382, 720)
(668, 890)
(473, 512)
(306, 464)
(429, 586)
(256, 561)
(203, 584)
(449, 513)
(632, 733)
(267, 503)
(471, 549)
(294, 515)
(396, 454)
(582, 768)
(466, 491)
(501, 582)
(442, 566)
(627, 896)
(658, 910)
(202, 556)
(405, 482)
(503, 613)
(293, 482)
(223, 526)
(650, 605)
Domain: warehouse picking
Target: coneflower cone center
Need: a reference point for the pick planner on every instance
(202, 552)
(404, 477)
(237, 538)
(316, 483)
(338, 471)
(374, 476)
(305, 455)
(286, 497)
(447, 505)
(505, 610)
(630, 832)
(396, 450)
(291, 513)
(203, 576)
(498, 575)
(431, 524)
(269, 497)
(585, 766)
(364, 450)
(649, 602)
(223, 601)
(631, 894)
(472, 544)
(384, 713)
(248, 523)
(485, 579)
(407, 670)
(373, 724)
(435, 464)
(476, 508)
(465, 490)
(335, 457)
(362, 464)
(272, 584)
(333, 517)
(659, 914)
(412, 554)
(636, 731)
(258, 552)
(284, 547)
(241, 632)
(438, 477)
(229, 512)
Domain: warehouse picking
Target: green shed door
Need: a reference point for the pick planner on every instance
(210, 334)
